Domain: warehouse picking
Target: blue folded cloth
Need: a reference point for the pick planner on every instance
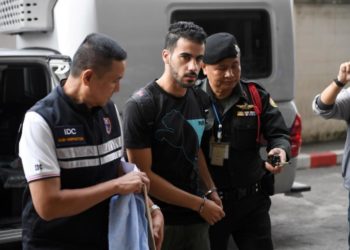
(127, 229)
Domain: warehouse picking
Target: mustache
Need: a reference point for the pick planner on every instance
(191, 74)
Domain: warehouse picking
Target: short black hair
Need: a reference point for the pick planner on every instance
(96, 52)
(184, 29)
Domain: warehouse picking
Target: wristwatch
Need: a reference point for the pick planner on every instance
(154, 207)
(339, 83)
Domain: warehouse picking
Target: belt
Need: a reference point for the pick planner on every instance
(239, 193)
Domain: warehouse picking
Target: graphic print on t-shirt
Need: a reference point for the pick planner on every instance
(181, 133)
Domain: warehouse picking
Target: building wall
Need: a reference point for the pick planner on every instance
(322, 41)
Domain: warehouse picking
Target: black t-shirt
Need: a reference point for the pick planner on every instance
(172, 127)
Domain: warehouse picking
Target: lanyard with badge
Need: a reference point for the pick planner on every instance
(219, 150)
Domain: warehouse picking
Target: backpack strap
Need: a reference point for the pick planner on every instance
(152, 110)
(148, 104)
(203, 100)
(254, 93)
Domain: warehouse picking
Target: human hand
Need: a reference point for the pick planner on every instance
(211, 212)
(214, 196)
(344, 72)
(132, 182)
(158, 227)
(275, 169)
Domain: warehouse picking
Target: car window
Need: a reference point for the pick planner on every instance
(251, 29)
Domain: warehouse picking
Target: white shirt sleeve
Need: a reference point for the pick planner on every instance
(37, 149)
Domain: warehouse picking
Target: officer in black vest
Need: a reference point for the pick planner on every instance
(71, 148)
(231, 145)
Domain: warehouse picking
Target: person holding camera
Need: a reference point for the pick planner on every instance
(241, 112)
(333, 103)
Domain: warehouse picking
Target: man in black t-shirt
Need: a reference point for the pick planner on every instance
(163, 126)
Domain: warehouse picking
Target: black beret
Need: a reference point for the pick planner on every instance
(220, 46)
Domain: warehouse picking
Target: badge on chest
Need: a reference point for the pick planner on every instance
(69, 135)
(245, 110)
(219, 152)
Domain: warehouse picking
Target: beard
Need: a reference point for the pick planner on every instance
(179, 79)
(185, 85)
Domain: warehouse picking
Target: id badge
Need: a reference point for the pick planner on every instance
(218, 153)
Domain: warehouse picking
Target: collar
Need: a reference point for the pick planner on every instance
(79, 107)
(238, 93)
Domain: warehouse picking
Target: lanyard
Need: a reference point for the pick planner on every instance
(219, 133)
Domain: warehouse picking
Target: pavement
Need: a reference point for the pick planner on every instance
(320, 154)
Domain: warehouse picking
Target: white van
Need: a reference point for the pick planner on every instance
(263, 28)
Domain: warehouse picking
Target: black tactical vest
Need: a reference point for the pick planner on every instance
(89, 147)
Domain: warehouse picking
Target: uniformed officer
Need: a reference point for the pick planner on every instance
(71, 149)
(240, 113)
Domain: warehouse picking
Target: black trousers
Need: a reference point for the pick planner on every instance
(247, 220)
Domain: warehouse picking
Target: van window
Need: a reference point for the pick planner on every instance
(21, 86)
(251, 29)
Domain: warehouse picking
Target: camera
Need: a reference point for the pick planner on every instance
(274, 159)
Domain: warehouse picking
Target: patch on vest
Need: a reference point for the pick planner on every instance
(108, 124)
(69, 135)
